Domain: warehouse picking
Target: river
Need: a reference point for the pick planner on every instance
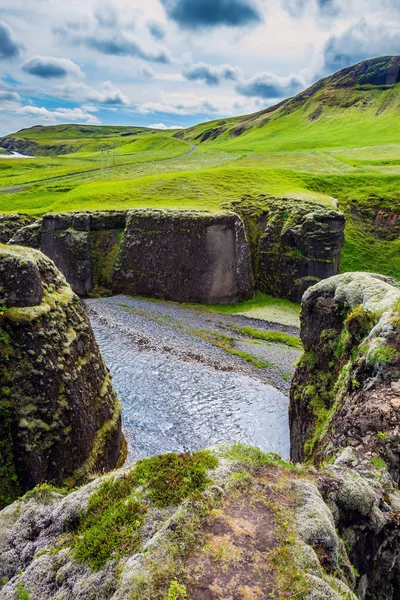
(180, 392)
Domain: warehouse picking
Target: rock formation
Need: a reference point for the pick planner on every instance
(295, 244)
(346, 394)
(233, 520)
(59, 416)
(346, 387)
(184, 256)
(10, 224)
(181, 255)
(194, 256)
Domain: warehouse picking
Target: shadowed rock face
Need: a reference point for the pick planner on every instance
(10, 224)
(59, 416)
(298, 251)
(184, 256)
(194, 256)
(346, 393)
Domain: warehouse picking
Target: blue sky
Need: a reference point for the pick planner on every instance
(176, 62)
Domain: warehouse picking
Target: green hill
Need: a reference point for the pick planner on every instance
(336, 143)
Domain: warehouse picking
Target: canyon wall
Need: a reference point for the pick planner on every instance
(193, 256)
(60, 419)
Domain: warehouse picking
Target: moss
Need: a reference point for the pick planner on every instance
(170, 478)
(110, 526)
(379, 463)
(382, 355)
(269, 336)
(45, 493)
(176, 591)
(255, 458)
(22, 593)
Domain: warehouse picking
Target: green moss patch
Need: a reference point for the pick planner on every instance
(277, 337)
(110, 527)
(170, 478)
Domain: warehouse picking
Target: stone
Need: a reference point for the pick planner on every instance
(184, 256)
(60, 418)
(10, 224)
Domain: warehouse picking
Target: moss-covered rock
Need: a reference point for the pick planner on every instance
(59, 416)
(10, 224)
(186, 256)
(294, 243)
(287, 245)
(346, 395)
(232, 520)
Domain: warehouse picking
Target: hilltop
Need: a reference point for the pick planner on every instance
(336, 143)
(353, 107)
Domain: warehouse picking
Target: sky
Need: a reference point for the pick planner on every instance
(174, 63)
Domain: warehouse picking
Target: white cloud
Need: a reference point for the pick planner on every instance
(59, 114)
(107, 94)
(163, 127)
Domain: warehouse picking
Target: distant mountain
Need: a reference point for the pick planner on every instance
(359, 105)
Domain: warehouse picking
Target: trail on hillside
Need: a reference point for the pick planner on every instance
(10, 189)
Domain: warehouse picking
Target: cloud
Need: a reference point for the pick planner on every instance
(9, 48)
(194, 14)
(212, 75)
(361, 41)
(182, 107)
(297, 8)
(156, 29)
(8, 96)
(106, 15)
(108, 94)
(146, 72)
(119, 44)
(59, 114)
(48, 67)
(163, 127)
(269, 85)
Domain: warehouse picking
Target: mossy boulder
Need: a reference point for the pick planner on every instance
(294, 243)
(346, 386)
(10, 224)
(59, 415)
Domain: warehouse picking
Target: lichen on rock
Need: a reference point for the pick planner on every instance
(59, 416)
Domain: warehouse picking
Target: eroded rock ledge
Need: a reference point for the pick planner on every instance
(193, 256)
(59, 416)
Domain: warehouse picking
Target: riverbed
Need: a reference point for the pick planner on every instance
(180, 385)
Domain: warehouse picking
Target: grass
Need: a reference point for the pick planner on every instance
(110, 527)
(269, 336)
(336, 145)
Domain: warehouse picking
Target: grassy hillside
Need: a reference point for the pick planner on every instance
(337, 143)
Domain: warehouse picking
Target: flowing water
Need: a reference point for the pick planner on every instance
(171, 404)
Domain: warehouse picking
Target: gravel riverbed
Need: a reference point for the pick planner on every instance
(179, 383)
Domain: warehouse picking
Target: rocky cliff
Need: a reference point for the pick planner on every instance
(233, 520)
(228, 522)
(59, 416)
(294, 243)
(346, 387)
(194, 256)
(10, 224)
(181, 255)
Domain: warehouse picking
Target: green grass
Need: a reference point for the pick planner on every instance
(110, 527)
(269, 336)
(339, 141)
